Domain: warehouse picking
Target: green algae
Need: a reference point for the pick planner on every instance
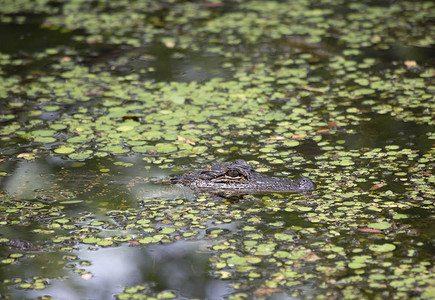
(307, 92)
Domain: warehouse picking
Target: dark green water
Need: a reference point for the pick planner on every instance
(101, 102)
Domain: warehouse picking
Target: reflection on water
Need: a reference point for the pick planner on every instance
(27, 178)
(180, 267)
(167, 191)
(158, 234)
(60, 180)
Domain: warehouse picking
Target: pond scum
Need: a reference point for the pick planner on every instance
(101, 100)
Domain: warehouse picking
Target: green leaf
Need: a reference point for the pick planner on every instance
(382, 248)
(380, 225)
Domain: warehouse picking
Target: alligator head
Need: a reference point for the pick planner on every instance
(239, 178)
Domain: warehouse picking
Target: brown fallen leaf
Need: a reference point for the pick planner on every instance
(23, 155)
(86, 276)
(170, 44)
(299, 136)
(410, 63)
(370, 230)
(212, 4)
(276, 138)
(65, 59)
(376, 38)
(266, 291)
(377, 186)
(312, 257)
(183, 139)
(309, 88)
(92, 41)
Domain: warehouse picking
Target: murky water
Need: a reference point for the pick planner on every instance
(101, 103)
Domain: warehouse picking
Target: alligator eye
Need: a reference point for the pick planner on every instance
(304, 182)
(233, 173)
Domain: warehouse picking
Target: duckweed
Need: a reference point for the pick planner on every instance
(119, 95)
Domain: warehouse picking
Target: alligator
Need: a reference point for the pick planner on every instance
(238, 177)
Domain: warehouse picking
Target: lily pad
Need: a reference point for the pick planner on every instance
(383, 248)
(64, 150)
(379, 225)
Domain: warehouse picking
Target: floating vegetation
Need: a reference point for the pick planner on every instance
(115, 96)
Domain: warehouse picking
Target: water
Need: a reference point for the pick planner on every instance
(174, 87)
